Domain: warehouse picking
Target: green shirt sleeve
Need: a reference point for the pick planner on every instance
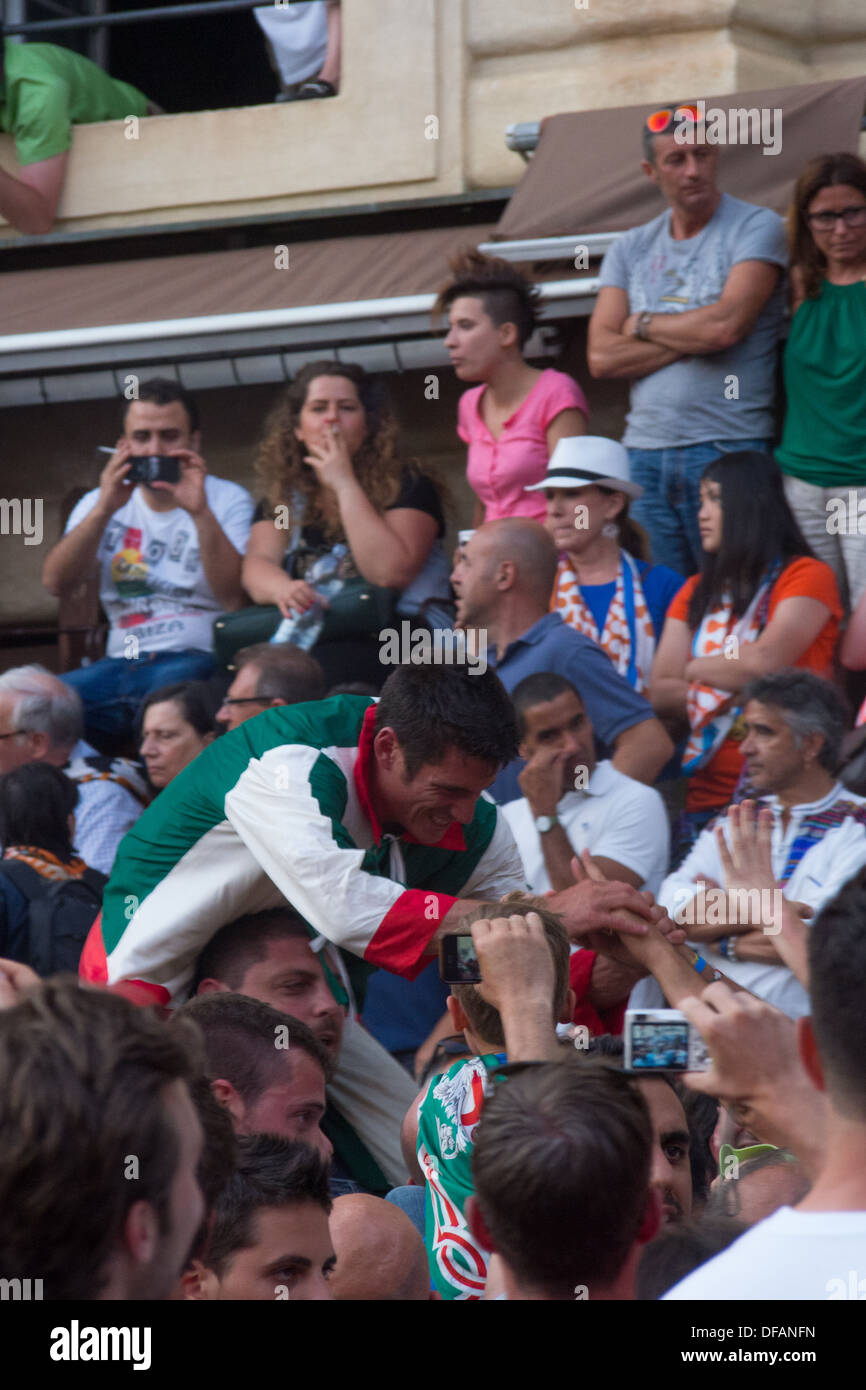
(42, 126)
(47, 89)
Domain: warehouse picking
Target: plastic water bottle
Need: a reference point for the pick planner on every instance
(303, 629)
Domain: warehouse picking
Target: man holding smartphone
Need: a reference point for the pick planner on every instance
(169, 560)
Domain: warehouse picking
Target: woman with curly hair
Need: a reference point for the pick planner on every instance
(334, 478)
(823, 448)
(513, 420)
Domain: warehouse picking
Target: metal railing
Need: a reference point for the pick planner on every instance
(71, 21)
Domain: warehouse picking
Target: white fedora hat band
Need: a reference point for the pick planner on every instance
(564, 477)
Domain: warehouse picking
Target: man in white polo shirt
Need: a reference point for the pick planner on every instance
(571, 803)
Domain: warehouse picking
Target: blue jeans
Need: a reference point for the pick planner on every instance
(112, 690)
(412, 1200)
(668, 510)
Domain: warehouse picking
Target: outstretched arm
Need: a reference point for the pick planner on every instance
(517, 979)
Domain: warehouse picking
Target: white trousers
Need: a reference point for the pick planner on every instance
(833, 531)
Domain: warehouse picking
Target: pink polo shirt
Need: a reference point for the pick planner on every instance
(499, 470)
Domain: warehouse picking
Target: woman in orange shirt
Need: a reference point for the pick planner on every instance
(761, 602)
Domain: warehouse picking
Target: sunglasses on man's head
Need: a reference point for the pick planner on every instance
(660, 120)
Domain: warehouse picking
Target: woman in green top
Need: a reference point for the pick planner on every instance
(823, 449)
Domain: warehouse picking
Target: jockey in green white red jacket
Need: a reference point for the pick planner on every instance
(280, 809)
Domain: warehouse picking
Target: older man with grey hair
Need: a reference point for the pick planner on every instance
(794, 722)
(41, 720)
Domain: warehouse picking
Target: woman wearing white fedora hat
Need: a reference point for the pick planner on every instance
(604, 588)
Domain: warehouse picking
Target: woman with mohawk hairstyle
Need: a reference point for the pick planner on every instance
(514, 419)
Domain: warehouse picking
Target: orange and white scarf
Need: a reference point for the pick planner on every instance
(46, 864)
(630, 646)
(713, 712)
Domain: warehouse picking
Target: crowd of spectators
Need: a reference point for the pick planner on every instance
(619, 787)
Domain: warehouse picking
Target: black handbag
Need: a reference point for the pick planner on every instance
(358, 610)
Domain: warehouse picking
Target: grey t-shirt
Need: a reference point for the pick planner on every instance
(694, 400)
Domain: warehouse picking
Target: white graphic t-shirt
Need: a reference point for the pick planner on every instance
(152, 585)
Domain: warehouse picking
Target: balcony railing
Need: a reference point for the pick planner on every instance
(71, 21)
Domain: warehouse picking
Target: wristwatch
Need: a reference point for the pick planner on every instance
(641, 327)
(545, 823)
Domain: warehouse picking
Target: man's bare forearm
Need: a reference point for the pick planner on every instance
(24, 207)
(74, 556)
(699, 332)
(792, 943)
(530, 1034)
(220, 561)
(642, 751)
(699, 930)
(614, 355)
(672, 967)
(558, 853)
(583, 907)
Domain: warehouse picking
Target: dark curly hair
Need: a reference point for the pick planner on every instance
(378, 464)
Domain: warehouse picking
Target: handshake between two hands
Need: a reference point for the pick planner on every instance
(513, 955)
(756, 1069)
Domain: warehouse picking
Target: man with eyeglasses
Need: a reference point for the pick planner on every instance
(267, 676)
(690, 312)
